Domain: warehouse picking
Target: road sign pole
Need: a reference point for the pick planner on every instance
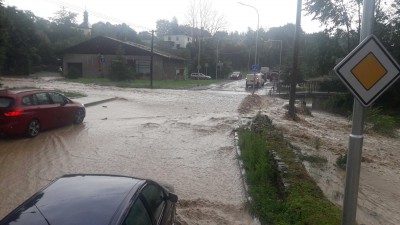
(353, 164)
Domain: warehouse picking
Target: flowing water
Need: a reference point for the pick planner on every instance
(183, 138)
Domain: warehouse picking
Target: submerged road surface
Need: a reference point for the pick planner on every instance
(182, 137)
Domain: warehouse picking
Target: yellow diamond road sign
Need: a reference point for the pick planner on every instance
(368, 71)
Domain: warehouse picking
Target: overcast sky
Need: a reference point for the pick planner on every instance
(143, 14)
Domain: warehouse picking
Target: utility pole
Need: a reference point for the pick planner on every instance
(292, 95)
(151, 59)
(353, 164)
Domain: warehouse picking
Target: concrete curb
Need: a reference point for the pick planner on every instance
(99, 102)
(243, 171)
(241, 167)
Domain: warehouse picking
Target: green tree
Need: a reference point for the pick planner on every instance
(121, 32)
(338, 14)
(22, 41)
(119, 70)
(64, 18)
(3, 36)
(63, 31)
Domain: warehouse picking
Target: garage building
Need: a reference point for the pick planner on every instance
(94, 57)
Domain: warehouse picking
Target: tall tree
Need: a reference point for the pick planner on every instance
(3, 36)
(120, 31)
(338, 14)
(201, 15)
(64, 17)
(22, 42)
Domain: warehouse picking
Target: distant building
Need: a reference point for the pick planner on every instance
(178, 41)
(94, 57)
(86, 27)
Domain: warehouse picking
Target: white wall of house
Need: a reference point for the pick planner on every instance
(180, 41)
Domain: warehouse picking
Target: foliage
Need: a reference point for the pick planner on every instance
(120, 31)
(341, 104)
(64, 18)
(332, 85)
(341, 161)
(314, 159)
(119, 70)
(303, 202)
(380, 123)
(72, 94)
(338, 15)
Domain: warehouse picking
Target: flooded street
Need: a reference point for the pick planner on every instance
(183, 138)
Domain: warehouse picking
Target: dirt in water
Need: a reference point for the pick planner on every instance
(180, 137)
(327, 135)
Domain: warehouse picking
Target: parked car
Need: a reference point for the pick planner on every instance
(199, 76)
(255, 79)
(236, 76)
(83, 199)
(29, 111)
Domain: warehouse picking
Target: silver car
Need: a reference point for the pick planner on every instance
(199, 76)
(255, 80)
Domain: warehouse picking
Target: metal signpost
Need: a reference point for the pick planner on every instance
(254, 68)
(368, 71)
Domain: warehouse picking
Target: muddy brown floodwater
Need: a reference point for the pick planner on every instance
(183, 138)
(379, 192)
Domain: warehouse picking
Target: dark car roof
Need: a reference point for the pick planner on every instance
(76, 199)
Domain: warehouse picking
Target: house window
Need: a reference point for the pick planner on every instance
(178, 45)
(169, 38)
(177, 38)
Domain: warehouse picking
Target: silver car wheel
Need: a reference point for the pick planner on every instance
(33, 128)
(79, 116)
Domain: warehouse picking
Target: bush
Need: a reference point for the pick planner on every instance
(341, 161)
(379, 122)
(340, 104)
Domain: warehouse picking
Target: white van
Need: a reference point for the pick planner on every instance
(256, 80)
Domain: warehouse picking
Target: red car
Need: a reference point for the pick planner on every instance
(31, 111)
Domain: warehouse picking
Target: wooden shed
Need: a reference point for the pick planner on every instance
(94, 57)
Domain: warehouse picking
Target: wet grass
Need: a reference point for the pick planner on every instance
(303, 202)
(157, 84)
(317, 159)
(72, 94)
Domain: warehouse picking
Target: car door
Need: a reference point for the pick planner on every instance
(64, 114)
(46, 111)
(151, 204)
(154, 198)
(138, 214)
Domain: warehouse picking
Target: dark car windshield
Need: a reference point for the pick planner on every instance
(5, 102)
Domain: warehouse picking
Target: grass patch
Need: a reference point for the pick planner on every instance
(72, 94)
(317, 159)
(303, 202)
(158, 84)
